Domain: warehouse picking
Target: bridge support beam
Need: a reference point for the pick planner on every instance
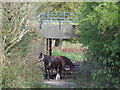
(49, 46)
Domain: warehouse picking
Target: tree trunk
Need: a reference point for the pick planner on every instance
(60, 44)
(57, 42)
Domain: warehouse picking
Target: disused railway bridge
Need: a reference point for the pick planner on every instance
(57, 25)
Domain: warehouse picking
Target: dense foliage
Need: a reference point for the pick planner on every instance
(19, 35)
(99, 29)
(21, 70)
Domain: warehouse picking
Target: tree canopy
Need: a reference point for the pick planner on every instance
(99, 29)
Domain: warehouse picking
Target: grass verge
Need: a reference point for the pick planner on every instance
(72, 56)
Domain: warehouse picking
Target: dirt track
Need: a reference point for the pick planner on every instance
(63, 83)
(66, 81)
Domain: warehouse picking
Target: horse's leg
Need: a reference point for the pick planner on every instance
(49, 75)
(63, 68)
(63, 64)
(58, 74)
(60, 68)
(46, 74)
(71, 69)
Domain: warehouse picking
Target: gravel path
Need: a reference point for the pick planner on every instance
(63, 83)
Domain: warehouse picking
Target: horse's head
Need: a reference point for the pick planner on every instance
(46, 59)
(41, 57)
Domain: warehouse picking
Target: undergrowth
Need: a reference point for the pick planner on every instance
(21, 70)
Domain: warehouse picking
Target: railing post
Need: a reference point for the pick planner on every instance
(41, 22)
(49, 46)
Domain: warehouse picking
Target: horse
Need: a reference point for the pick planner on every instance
(65, 61)
(50, 64)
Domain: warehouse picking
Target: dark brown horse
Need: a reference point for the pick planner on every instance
(50, 64)
(65, 61)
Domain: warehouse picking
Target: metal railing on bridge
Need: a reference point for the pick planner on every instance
(59, 17)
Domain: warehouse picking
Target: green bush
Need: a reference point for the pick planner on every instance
(99, 30)
(84, 78)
